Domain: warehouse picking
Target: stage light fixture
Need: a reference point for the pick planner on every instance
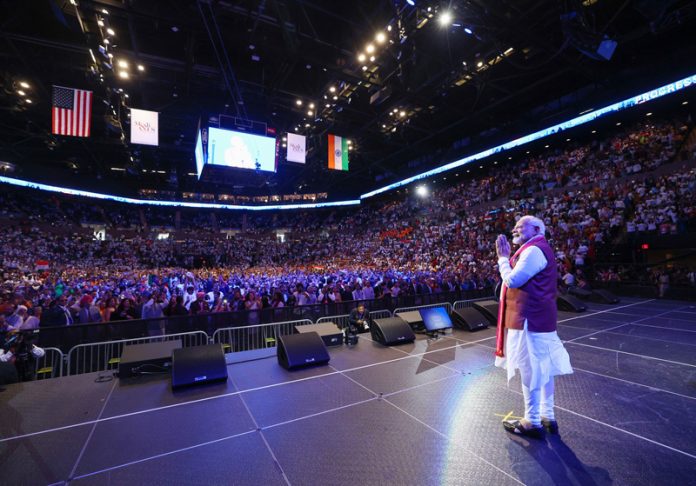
(361, 57)
(445, 19)
(479, 64)
(381, 37)
(648, 114)
(123, 74)
(364, 68)
(28, 101)
(685, 103)
(20, 92)
(328, 105)
(310, 113)
(335, 98)
(141, 67)
(468, 30)
(372, 58)
(123, 64)
(100, 23)
(389, 28)
(402, 114)
(370, 48)
(110, 31)
(421, 191)
(105, 11)
(106, 42)
(24, 84)
(298, 102)
(311, 106)
(332, 89)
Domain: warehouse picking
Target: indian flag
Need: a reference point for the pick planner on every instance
(338, 153)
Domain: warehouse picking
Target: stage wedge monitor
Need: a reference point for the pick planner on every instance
(470, 319)
(488, 308)
(569, 303)
(197, 365)
(301, 350)
(392, 330)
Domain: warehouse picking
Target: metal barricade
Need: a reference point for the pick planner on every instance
(50, 365)
(380, 314)
(247, 338)
(463, 304)
(446, 305)
(88, 358)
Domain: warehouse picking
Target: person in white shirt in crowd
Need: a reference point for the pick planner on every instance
(32, 321)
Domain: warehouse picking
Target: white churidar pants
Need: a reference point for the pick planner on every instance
(539, 356)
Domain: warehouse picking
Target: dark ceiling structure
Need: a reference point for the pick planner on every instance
(412, 84)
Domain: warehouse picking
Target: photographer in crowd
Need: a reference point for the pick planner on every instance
(17, 348)
(359, 319)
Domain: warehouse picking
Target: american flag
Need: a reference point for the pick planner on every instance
(71, 112)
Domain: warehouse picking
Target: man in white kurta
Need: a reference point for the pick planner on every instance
(528, 314)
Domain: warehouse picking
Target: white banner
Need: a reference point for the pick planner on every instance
(296, 148)
(144, 127)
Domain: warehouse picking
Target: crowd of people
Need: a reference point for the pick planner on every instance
(55, 272)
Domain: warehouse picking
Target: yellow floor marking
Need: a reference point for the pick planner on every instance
(508, 416)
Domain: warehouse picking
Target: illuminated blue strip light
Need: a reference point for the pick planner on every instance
(129, 200)
(580, 120)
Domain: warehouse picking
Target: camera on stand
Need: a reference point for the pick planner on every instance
(350, 335)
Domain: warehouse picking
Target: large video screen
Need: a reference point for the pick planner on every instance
(198, 154)
(241, 150)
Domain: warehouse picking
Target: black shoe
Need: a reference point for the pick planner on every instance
(516, 427)
(551, 426)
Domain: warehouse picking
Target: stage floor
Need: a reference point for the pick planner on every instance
(423, 413)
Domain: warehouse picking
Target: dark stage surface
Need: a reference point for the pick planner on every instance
(425, 413)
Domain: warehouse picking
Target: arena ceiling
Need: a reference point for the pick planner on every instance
(425, 92)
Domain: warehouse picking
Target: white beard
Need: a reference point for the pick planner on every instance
(517, 240)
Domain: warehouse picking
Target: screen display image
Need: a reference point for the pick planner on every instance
(436, 319)
(241, 150)
(198, 154)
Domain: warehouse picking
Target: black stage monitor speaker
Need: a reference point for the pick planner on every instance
(300, 350)
(602, 296)
(470, 319)
(198, 364)
(147, 358)
(392, 330)
(569, 303)
(328, 332)
(488, 308)
(414, 319)
(580, 293)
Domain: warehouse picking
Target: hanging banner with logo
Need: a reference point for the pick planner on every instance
(144, 127)
(297, 148)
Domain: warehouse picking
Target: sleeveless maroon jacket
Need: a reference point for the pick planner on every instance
(536, 299)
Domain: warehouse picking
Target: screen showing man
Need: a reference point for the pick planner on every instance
(241, 150)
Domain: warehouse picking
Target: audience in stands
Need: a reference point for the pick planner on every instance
(591, 194)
